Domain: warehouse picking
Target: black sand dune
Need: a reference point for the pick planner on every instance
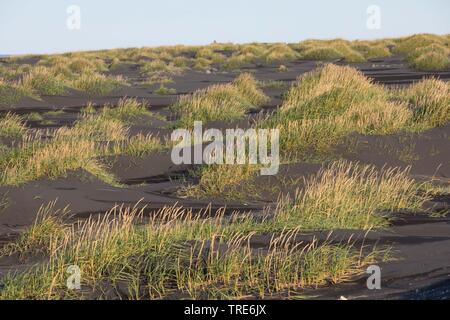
(421, 243)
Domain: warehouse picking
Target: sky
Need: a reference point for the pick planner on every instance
(46, 26)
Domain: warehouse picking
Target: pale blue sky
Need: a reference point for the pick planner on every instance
(39, 26)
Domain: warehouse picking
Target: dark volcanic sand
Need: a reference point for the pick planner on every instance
(421, 244)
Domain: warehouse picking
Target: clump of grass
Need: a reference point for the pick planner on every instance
(355, 104)
(224, 181)
(73, 63)
(204, 52)
(281, 52)
(321, 53)
(351, 196)
(6, 73)
(116, 63)
(377, 117)
(63, 71)
(158, 79)
(163, 90)
(234, 62)
(220, 102)
(329, 91)
(70, 149)
(329, 103)
(127, 109)
(78, 147)
(11, 125)
(139, 145)
(88, 109)
(409, 44)
(154, 66)
(211, 55)
(165, 55)
(306, 139)
(430, 102)
(201, 64)
(94, 128)
(248, 87)
(52, 60)
(252, 51)
(12, 93)
(370, 50)
(42, 80)
(330, 50)
(432, 61)
(177, 252)
(217, 102)
(97, 84)
(432, 48)
(12, 71)
(54, 113)
(140, 56)
(315, 139)
(34, 116)
(158, 66)
(82, 65)
(425, 52)
(286, 265)
(350, 55)
(273, 84)
(35, 160)
(181, 62)
(48, 226)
